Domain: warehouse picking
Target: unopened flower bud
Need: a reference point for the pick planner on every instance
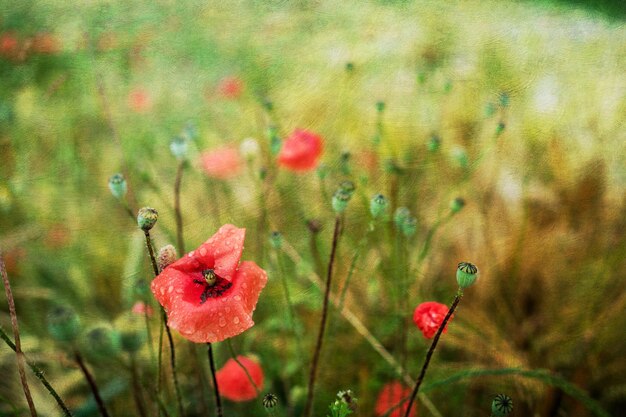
(179, 147)
(117, 185)
(378, 205)
(322, 171)
(249, 148)
(314, 225)
(63, 324)
(456, 205)
(466, 274)
(409, 226)
(102, 342)
(501, 406)
(401, 214)
(270, 400)
(147, 218)
(349, 66)
(347, 187)
(503, 98)
(460, 156)
(380, 106)
(500, 128)
(340, 200)
(276, 240)
(167, 256)
(392, 167)
(434, 143)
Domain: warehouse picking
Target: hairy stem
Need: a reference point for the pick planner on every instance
(92, 384)
(16, 335)
(320, 336)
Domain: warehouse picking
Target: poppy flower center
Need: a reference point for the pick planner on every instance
(214, 285)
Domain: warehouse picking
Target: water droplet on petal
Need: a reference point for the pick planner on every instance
(222, 322)
(236, 320)
(203, 251)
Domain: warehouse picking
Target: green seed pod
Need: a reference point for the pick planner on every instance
(501, 406)
(503, 98)
(117, 185)
(322, 171)
(276, 240)
(401, 214)
(409, 226)
(500, 128)
(147, 218)
(349, 66)
(270, 400)
(340, 201)
(466, 274)
(434, 143)
(457, 204)
(380, 106)
(179, 147)
(167, 256)
(378, 205)
(132, 332)
(63, 324)
(101, 342)
(347, 187)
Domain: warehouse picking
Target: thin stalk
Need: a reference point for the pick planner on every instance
(320, 337)
(290, 309)
(92, 384)
(179, 217)
(137, 394)
(167, 330)
(16, 335)
(355, 258)
(39, 374)
(431, 350)
(234, 356)
(218, 401)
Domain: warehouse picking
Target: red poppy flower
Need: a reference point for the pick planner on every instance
(301, 151)
(428, 317)
(230, 87)
(394, 396)
(139, 100)
(221, 163)
(9, 44)
(208, 295)
(234, 383)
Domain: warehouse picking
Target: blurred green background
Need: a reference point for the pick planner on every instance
(526, 99)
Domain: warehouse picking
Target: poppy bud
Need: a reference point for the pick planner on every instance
(490, 109)
(147, 218)
(270, 400)
(466, 274)
(460, 156)
(102, 342)
(504, 99)
(401, 214)
(378, 205)
(322, 171)
(501, 406)
(391, 167)
(179, 147)
(117, 185)
(380, 106)
(132, 332)
(409, 226)
(276, 240)
(456, 205)
(340, 200)
(349, 66)
(433, 143)
(348, 398)
(63, 324)
(167, 255)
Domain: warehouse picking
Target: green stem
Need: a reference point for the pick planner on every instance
(320, 337)
(39, 374)
(177, 212)
(218, 400)
(92, 384)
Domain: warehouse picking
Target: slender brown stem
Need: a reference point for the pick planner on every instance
(238, 362)
(431, 350)
(218, 401)
(167, 330)
(179, 217)
(92, 384)
(320, 336)
(39, 374)
(16, 335)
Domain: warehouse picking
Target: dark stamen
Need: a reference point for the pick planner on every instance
(214, 285)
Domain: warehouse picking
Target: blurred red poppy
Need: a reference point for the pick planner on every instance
(139, 100)
(392, 400)
(221, 163)
(301, 151)
(141, 308)
(208, 295)
(230, 87)
(428, 317)
(9, 45)
(233, 382)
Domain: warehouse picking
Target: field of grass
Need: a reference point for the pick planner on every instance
(515, 108)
